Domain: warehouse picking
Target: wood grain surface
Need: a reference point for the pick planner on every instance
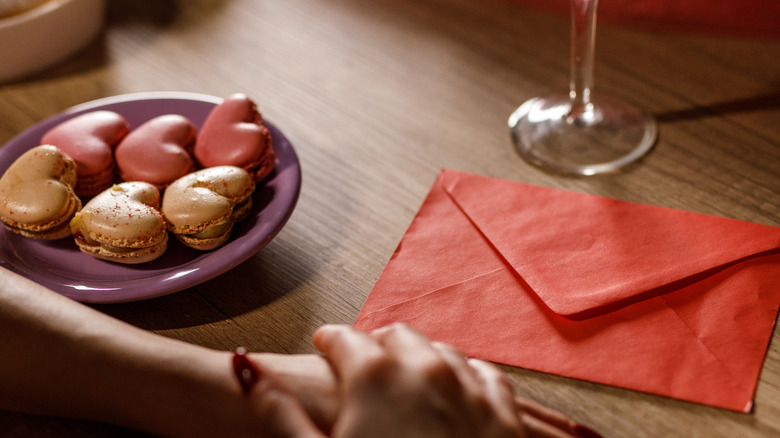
(377, 96)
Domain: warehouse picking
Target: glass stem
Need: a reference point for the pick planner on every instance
(583, 37)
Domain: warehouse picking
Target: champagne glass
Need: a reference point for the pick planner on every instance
(581, 132)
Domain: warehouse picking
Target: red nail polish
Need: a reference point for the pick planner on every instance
(246, 372)
(585, 432)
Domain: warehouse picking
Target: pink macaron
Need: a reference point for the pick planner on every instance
(234, 134)
(157, 152)
(90, 139)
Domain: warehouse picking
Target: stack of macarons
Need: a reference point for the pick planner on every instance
(122, 224)
(162, 176)
(201, 207)
(37, 194)
(90, 140)
(235, 134)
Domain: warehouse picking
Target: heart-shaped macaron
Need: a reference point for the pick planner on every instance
(235, 134)
(158, 151)
(36, 194)
(90, 139)
(202, 207)
(122, 224)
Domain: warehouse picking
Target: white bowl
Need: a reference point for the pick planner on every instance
(47, 34)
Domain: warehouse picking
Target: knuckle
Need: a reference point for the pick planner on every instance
(378, 367)
(440, 373)
(447, 348)
(482, 405)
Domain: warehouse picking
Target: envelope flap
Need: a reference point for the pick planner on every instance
(584, 255)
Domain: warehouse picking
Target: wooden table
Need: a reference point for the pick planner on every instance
(377, 96)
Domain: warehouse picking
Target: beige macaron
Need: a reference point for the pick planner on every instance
(122, 224)
(36, 194)
(202, 207)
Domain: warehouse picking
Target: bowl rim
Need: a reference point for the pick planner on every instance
(31, 14)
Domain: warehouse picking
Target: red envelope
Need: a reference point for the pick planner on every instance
(652, 299)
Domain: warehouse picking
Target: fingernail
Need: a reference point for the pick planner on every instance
(585, 432)
(246, 372)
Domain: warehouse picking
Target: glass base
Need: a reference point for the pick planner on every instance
(604, 137)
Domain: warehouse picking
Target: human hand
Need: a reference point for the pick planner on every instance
(394, 382)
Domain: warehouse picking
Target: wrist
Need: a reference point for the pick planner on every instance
(188, 391)
(205, 397)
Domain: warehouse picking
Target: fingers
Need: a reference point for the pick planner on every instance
(466, 374)
(310, 379)
(348, 351)
(544, 414)
(280, 415)
(426, 383)
(537, 420)
(402, 360)
(484, 381)
(438, 365)
(537, 428)
(543, 422)
(498, 390)
(406, 344)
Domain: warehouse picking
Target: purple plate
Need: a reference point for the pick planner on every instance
(60, 266)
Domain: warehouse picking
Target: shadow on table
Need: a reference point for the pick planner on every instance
(749, 104)
(221, 299)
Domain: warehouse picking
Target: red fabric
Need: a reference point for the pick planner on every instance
(752, 18)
